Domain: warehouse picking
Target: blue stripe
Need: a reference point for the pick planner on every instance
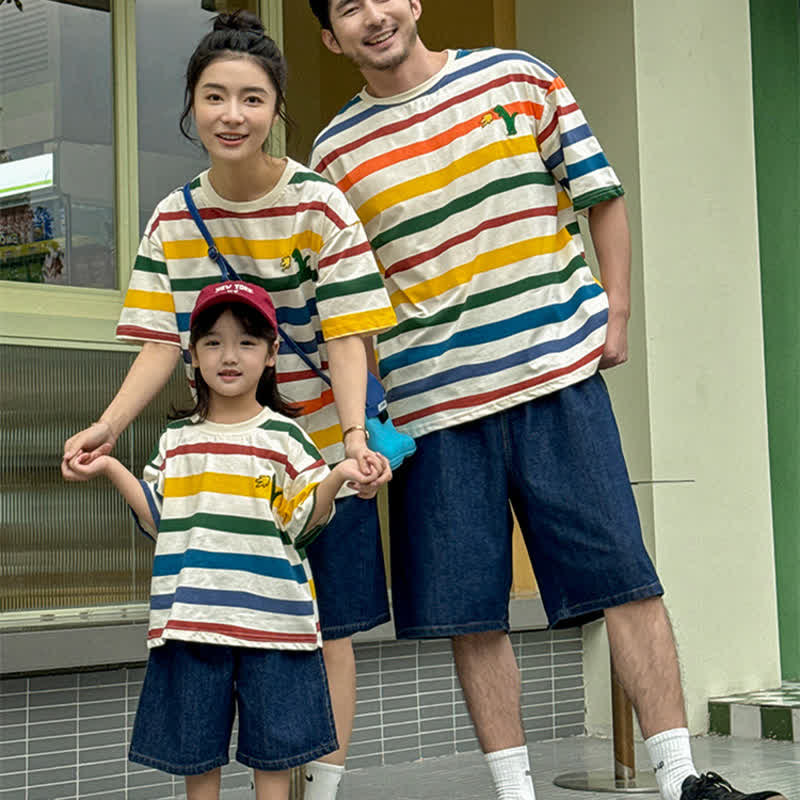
(528, 355)
(554, 160)
(483, 334)
(202, 559)
(286, 315)
(576, 135)
(371, 111)
(154, 512)
(218, 597)
(586, 166)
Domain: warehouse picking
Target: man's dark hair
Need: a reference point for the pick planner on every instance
(322, 11)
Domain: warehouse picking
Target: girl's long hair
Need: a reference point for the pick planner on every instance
(255, 325)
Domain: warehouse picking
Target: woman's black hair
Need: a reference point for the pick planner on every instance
(254, 324)
(240, 34)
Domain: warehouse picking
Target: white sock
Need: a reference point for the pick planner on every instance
(671, 757)
(511, 772)
(322, 780)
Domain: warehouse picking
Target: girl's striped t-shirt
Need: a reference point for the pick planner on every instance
(232, 505)
(302, 242)
(468, 188)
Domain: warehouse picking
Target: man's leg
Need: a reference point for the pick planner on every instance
(490, 679)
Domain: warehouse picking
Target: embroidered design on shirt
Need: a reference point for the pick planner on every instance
(498, 112)
(303, 269)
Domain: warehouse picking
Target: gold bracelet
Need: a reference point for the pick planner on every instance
(356, 428)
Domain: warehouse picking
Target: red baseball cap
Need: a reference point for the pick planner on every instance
(236, 292)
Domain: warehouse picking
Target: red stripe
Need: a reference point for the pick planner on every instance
(262, 213)
(394, 127)
(135, 332)
(561, 111)
(250, 634)
(487, 397)
(418, 258)
(357, 250)
(301, 375)
(226, 449)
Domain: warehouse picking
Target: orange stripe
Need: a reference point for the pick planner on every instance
(558, 83)
(443, 139)
(325, 399)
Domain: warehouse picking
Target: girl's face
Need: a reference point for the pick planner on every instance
(234, 108)
(232, 361)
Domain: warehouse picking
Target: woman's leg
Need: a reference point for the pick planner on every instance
(271, 785)
(203, 787)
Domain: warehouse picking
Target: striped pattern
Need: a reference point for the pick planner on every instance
(468, 188)
(302, 242)
(232, 505)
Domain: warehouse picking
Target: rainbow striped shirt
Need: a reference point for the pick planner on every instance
(468, 188)
(232, 505)
(302, 242)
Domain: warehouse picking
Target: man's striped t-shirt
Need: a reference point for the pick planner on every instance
(468, 188)
(301, 242)
(232, 505)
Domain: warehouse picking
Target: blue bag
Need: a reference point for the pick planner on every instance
(383, 437)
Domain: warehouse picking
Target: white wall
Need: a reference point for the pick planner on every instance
(667, 89)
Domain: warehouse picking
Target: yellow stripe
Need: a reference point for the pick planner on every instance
(326, 436)
(217, 482)
(431, 182)
(152, 301)
(485, 262)
(285, 508)
(563, 201)
(361, 324)
(237, 246)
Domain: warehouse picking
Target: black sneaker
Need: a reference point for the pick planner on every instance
(710, 786)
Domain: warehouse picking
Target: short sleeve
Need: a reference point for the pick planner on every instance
(148, 314)
(294, 507)
(350, 295)
(152, 483)
(571, 152)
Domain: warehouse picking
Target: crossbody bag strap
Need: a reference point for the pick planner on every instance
(230, 274)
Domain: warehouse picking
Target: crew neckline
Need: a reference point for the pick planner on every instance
(415, 91)
(265, 200)
(238, 427)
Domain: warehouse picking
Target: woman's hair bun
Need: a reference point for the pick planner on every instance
(239, 20)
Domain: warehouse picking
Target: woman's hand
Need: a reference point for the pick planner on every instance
(372, 464)
(86, 466)
(93, 442)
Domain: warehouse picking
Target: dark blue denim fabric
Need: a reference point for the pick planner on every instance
(347, 564)
(559, 461)
(191, 693)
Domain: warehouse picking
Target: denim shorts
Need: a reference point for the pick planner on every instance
(192, 691)
(347, 563)
(559, 462)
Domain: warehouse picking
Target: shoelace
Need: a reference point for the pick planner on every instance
(711, 780)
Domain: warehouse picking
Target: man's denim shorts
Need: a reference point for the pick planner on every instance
(559, 462)
(347, 563)
(191, 693)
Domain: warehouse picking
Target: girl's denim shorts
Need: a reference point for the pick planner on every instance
(557, 461)
(192, 692)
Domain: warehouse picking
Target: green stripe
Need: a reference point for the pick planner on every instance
(486, 298)
(144, 264)
(181, 423)
(301, 177)
(596, 196)
(574, 228)
(224, 523)
(295, 433)
(291, 281)
(366, 283)
(25, 186)
(433, 218)
(191, 284)
(195, 183)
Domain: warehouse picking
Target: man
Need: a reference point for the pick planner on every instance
(467, 169)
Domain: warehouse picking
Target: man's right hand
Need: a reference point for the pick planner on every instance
(96, 440)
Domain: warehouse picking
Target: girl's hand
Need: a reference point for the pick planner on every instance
(365, 484)
(96, 440)
(85, 466)
(370, 463)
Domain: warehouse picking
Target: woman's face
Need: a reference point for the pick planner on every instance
(234, 107)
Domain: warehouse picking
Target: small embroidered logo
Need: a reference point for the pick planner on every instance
(286, 262)
(511, 126)
(487, 119)
(263, 482)
(659, 766)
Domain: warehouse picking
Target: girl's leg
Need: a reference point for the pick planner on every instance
(271, 785)
(203, 787)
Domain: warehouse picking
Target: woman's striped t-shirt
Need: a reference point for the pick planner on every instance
(301, 242)
(468, 188)
(232, 505)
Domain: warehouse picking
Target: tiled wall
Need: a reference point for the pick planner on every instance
(65, 736)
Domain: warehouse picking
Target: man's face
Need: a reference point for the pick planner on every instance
(374, 34)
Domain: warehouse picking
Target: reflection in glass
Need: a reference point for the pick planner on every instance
(56, 98)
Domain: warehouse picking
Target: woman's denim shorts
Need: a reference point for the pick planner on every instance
(191, 693)
(558, 461)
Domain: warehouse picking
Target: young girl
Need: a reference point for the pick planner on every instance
(235, 492)
(283, 228)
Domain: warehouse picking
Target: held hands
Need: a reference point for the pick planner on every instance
(91, 443)
(373, 467)
(86, 466)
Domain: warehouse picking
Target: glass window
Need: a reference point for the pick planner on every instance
(166, 35)
(56, 144)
